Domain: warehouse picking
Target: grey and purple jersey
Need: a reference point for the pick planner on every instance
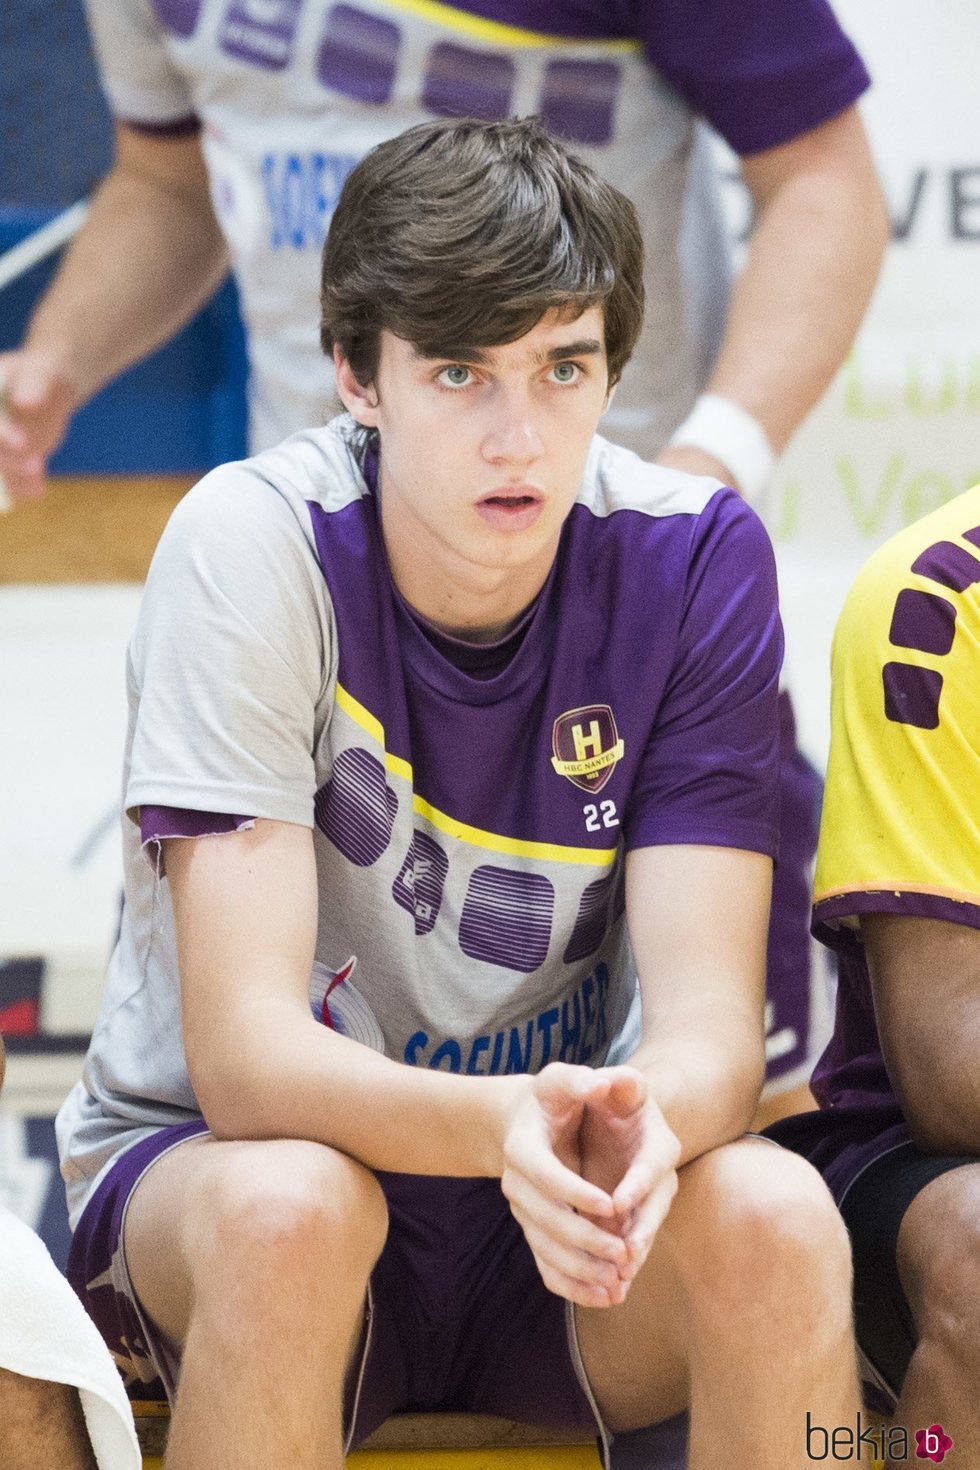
(469, 831)
(292, 93)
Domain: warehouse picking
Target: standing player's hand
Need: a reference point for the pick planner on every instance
(587, 1178)
(37, 400)
(694, 461)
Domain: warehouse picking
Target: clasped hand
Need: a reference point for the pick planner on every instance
(589, 1170)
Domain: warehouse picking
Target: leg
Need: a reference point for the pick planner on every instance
(742, 1311)
(41, 1424)
(938, 1249)
(255, 1257)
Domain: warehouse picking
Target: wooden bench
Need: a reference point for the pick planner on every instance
(417, 1441)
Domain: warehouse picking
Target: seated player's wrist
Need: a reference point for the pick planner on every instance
(733, 438)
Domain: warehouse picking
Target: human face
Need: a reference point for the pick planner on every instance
(482, 456)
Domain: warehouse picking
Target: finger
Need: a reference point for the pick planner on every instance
(579, 1292)
(21, 487)
(13, 436)
(657, 1159)
(647, 1220)
(583, 1292)
(626, 1091)
(569, 1228)
(533, 1160)
(572, 1264)
(562, 1090)
(26, 385)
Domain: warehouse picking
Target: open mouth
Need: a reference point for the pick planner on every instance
(510, 502)
(510, 510)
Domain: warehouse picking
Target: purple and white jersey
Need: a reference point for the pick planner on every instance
(469, 831)
(292, 93)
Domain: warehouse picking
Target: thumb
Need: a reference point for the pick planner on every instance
(562, 1090)
(626, 1091)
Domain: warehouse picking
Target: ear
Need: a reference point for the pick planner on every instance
(610, 395)
(360, 402)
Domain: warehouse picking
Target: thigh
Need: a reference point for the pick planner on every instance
(900, 1216)
(752, 1227)
(98, 1271)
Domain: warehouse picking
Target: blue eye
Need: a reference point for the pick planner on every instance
(565, 372)
(455, 376)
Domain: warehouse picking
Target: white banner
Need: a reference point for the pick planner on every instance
(898, 432)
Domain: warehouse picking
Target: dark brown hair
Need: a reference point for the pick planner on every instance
(462, 234)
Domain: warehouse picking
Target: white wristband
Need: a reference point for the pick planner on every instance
(730, 434)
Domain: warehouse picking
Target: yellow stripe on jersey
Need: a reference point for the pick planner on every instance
(499, 34)
(552, 852)
(902, 801)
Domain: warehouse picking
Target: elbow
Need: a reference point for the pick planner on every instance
(229, 1091)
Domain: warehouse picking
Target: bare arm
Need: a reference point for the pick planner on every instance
(698, 919)
(925, 975)
(586, 1157)
(148, 256)
(245, 907)
(811, 266)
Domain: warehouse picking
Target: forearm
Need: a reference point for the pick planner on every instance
(278, 1073)
(810, 270)
(946, 1119)
(706, 1079)
(145, 260)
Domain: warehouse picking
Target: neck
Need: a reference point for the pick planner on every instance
(462, 598)
(476, 614)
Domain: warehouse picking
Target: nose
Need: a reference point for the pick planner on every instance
(512, 436)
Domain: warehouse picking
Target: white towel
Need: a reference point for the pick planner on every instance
(46, 1333)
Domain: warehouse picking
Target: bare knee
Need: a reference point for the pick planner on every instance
(294, 1214)
(938, 1254)
(757, 1231)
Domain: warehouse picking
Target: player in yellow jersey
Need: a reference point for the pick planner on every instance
(898, 898)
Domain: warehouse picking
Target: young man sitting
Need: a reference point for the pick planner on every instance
(447, 720)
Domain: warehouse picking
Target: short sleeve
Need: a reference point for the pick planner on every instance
(761, 71)
(141, 83)
(231, 660)
(709, 774)
(901, 820)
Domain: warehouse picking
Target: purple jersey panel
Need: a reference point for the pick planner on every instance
(674, 673)
(760, 72)
(158, 822)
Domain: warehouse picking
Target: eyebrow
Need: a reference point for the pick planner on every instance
(586, 347)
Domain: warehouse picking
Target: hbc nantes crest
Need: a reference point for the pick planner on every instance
(587, 746)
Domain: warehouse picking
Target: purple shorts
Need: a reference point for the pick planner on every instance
(458, 1317)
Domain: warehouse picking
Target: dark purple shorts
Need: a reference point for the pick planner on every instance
(459, 1318)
